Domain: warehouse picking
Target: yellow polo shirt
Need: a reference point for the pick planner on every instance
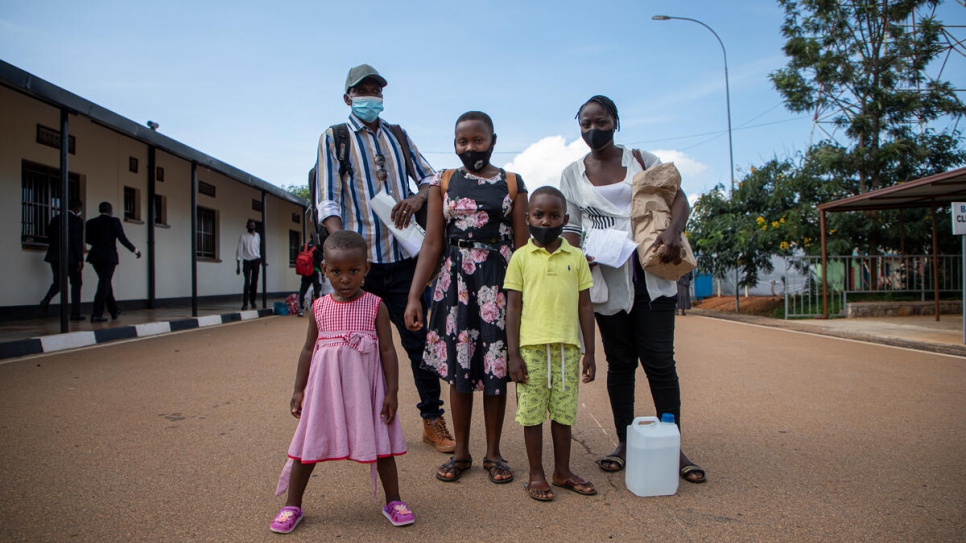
(551, 285)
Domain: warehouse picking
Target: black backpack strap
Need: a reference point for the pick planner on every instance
(407, 153)
(341, 134)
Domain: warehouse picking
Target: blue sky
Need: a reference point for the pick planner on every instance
(255, 83)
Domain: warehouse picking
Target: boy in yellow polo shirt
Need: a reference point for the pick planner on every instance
(548, 310)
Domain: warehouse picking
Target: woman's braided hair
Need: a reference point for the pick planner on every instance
(609, 106)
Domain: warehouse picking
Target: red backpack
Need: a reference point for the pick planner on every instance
(305, 262)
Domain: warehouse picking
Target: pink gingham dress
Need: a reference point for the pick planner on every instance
(341, 417)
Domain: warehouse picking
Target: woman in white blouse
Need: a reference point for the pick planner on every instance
(634, 309)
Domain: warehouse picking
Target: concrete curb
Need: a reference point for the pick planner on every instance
(73, 340)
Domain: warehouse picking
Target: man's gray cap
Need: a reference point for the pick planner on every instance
(360, 72)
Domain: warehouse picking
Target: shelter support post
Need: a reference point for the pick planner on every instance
(264, 256)
(935, 259)
(64, 223)
(152, 221)
(821, 221)
(194, 239)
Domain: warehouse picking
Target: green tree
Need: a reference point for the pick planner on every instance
(299, 190)
(860, 67)
(763, 217)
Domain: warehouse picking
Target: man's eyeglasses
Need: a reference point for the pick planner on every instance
(381, 173)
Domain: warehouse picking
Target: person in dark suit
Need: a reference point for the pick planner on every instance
(103, 233)
(75, 258)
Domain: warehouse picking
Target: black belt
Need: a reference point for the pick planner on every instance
(493, 244)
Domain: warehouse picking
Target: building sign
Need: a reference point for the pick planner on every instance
(959, 218)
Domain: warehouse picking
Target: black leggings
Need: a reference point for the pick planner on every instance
(645, 334)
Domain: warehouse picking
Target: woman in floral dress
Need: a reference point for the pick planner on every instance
(474, 226)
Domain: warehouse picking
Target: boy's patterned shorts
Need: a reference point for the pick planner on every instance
(534, 398)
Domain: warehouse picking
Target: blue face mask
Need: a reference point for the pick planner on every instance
(367, 108)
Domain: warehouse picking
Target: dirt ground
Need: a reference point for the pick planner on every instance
(751, 305)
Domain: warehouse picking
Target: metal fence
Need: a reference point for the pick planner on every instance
(850, 275)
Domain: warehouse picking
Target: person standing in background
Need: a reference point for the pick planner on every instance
(313, 280)
(684, 292)
(75, 258)
(103, 233)
(248, 258)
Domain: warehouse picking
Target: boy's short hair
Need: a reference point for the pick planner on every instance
(345, 240)
(550, 191)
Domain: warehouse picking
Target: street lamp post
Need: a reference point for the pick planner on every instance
(731, 152)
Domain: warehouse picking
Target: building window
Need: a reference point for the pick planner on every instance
(159, 174)
(296, 218)
(207, 246)
(206, 189)
(160, 210)
(132, 204)
(257, 205)
(51, 138)
(132, 164)
(294, 246)
(40, 200)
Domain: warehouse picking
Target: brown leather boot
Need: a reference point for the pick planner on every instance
(437, 434)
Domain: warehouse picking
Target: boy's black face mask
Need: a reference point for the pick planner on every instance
(546, 235)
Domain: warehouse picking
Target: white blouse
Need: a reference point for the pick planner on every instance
(592, 207)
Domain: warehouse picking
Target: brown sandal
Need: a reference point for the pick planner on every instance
(452, 466)
(539, 486)
(574, 483)
(492, 465)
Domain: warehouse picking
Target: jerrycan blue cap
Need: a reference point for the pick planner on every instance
(667, 417)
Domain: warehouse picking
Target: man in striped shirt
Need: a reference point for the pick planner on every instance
(376, 160)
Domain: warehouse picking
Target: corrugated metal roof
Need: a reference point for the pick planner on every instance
(939, 189)
(31, 85)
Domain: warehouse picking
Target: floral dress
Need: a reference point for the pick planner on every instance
(466, 344)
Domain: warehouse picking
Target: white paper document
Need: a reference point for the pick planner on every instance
(410, 237)
(609, 247)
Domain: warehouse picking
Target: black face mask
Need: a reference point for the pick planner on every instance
(251, 229)
(475, 161)
(546, 235)
(597, 138)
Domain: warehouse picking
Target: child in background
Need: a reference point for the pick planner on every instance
(474, 222)
(548, 309)
(345, 386)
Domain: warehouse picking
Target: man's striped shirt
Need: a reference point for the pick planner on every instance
(349, 198)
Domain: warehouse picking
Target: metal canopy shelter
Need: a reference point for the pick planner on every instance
(933, 191)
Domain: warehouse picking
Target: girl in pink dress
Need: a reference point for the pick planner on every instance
(345, 387)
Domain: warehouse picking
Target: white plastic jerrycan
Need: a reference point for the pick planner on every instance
(653, 449)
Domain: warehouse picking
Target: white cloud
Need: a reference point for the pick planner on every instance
(689, 167)
(541, 163)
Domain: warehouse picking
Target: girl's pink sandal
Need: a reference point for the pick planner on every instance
(398, 513)
(286, 520)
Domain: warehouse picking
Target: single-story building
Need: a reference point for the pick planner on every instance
(149, 179)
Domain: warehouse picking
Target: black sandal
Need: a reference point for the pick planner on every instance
(612, 459)
(492, 465)
(695, 470)
(450, 466)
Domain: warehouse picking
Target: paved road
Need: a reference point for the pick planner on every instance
(181, 438)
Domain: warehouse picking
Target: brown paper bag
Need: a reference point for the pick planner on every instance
(653, 191)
